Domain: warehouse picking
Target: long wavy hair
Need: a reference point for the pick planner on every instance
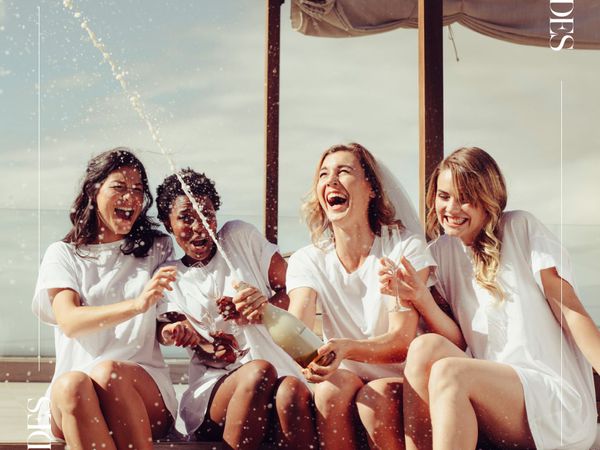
(477, 180)
(84, 217)
(381, 211)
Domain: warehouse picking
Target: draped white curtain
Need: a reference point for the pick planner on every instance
(519, 21)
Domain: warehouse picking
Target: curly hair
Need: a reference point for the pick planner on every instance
(381, 211)
(477, 180)
(83, 215)
(198, 183)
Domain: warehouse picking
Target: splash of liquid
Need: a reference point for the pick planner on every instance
(135, 100)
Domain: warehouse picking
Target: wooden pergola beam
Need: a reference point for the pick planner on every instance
(431, 93)
(272, 119)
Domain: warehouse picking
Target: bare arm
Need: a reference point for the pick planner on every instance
(574, 316)
(303, 305)
(76, 320)
(277, 270)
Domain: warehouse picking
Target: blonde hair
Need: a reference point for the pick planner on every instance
(381, 211)
(477, 180)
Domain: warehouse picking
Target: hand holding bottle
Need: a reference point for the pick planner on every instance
(249, 301)
(327, 361)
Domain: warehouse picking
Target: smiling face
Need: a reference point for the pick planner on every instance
(462, 220)
(119, 203)
(342, 189)
(190, 234)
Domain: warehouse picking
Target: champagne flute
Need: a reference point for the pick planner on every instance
(390, 241)
(213, 291)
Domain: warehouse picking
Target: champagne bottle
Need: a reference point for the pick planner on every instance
(291, 334)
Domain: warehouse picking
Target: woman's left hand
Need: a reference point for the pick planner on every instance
(327, 361)
(403, 280)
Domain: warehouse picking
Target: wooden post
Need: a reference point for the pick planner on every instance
(272, 119)
(431, 93)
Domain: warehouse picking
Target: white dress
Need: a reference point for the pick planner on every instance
(105, 276)
(352, 304)
(521, 330)
(193, 294)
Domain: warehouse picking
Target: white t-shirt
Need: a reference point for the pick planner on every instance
(352, 304)
(193, 294)
(521, 330)
(103, 277)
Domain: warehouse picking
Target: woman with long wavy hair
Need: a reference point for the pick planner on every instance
(351, 199)
(111, 388)
(526, 382)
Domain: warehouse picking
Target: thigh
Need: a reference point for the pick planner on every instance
(496, 393)
(69, 390)
(249, 374)
(145, 386)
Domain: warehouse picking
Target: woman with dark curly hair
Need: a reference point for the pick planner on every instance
(111, 388)
(237, 401)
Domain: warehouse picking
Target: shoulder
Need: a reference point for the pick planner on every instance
(520, 222)
(237, 227)
(163, 243)
(59, 251)
(308, 253)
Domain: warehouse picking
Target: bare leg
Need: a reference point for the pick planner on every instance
(240, 406)
(462, 394)
(466, 393)
(380, 408)
(337, 420)
(295, 425)
(76, 414)
(132, 404)
(422, 353)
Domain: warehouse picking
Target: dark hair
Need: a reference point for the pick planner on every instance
(83, 215)
(198, 183)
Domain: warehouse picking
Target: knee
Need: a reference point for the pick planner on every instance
(293, 398)
(448, 377)
(337, 392)
(107, 373)
(423, 351)
(259, 377)
(380, 394)
(74, 390)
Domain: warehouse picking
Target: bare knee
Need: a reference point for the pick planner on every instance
(337, 392)
(448, 377)
(424, 350)
(109, 375)
(259, 377)
(72, 392)
(293, 398)
(380, 401)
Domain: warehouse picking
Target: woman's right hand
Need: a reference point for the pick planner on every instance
(153, 291)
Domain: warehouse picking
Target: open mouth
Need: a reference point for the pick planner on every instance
(124, 213)
(455, 221)
(199, 242)
(335, 200)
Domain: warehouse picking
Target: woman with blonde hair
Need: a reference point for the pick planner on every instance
(526, 382)
(351, 199)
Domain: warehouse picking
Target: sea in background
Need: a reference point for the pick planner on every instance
(26, 234)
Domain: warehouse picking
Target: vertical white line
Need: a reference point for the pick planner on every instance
(561, 257)
(39, 155)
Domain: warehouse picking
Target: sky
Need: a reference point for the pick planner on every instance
(199, 68)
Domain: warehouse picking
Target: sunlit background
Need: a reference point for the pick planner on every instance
(199, 67)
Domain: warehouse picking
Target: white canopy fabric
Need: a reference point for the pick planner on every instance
(518, 21)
